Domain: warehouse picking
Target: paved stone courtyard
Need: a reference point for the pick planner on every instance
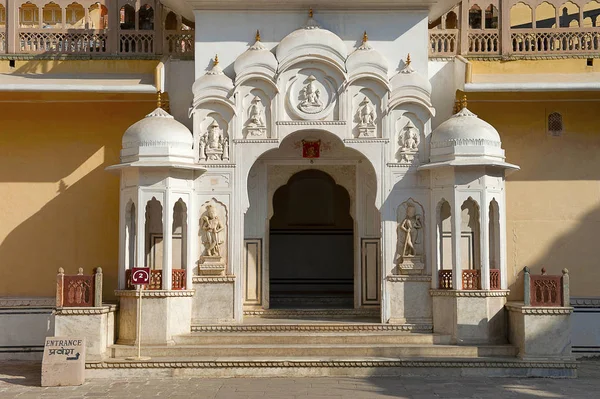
(21, 380)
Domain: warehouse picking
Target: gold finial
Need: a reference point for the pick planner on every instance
(365, 37)
(408, 59)
(216, 62)
(257, 35)
(463, 102)
(456, 106)
(310, 12)
(159, 103)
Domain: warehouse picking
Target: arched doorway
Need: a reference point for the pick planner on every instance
(311, 243)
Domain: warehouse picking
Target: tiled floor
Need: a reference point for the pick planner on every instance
(21, 380)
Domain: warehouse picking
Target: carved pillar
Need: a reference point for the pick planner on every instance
(456, 235)
(140, 226)
(113, 27)
(12, 23)
(63, 16)
(167, 242)
(484, 242)
(436, 237)
(464, 27)
(505, 45)
(192, 226)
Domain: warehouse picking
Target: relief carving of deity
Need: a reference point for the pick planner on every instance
(310, 97)
(212, 226)
(214, 146)
(366, 117)
(409, 253)
(256, 121)
(408, 140)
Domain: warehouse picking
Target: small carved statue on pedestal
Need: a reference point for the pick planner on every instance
(409, 257)
(366, 116)
(210, 225)
(408, 141)
(256, 122)
(310, 97)
(214, 146)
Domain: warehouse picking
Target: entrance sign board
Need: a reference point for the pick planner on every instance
(63, 363)
(140, 276)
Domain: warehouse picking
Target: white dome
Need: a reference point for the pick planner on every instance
(213, 82)
(256, 60)
(367, 61)
(465, 136)
(314, 41)
(158, 137)
(410, 80)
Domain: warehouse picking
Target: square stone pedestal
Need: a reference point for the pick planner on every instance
(410, 302)
(540, 333)
(164, 315)
(96, 325)
(214, 300)
(470, 317)
(211, 266)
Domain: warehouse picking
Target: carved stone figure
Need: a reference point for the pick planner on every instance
(212, 226)
(409, 254)
(408, 140)
(212, 144)
(256, 122)
(366, 117)
(310, 97)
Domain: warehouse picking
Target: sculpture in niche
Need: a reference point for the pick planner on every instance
(214, 146)
(310, 97)
(256, 122)
(409, 253)
(408, 140)
(366, 116)
(211, 229)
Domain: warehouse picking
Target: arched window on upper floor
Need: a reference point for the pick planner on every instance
(29, 15)
(127, 17)
(75, 14)
(520, 16)
(591, 14)
(475, 17)
(569, 15)
(171, 21)
(98, 15)
(491, 17)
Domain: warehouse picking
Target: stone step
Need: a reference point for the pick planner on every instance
(347, 366)
(313, 312)
(310, 337)
(318, 350)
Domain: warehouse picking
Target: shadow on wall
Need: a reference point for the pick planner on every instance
(575, 248)
(60, 206)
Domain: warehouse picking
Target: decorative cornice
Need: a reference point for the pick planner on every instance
(50, 56)
(367, 140)
(9, 302)
(218, 165)
(465, 142)
(401, 164)
(471, 363)
(253, 141)
(155, 293)
(311, 123)
(407, 278)
(84, 311)
(583, 302)
(469, 294)
(312, 312)
(313, 327)
(213, 280)
(538, 311)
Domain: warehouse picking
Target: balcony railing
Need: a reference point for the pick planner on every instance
(546, 290)
(178, 279)
(471, 279)
(92, 27)
(470, 30)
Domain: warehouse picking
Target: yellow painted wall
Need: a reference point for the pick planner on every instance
(553, 202)
(58, 206)
(59, 66)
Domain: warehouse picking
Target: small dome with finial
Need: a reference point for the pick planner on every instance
(213, 80)
(408, 80)
(257, 60)
(157, 137)
(312, 40)
(465, 139)
(365, 60)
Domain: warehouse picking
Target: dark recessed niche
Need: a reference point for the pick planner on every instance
(11, 63)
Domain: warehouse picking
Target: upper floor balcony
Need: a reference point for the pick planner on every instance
(105, 27)
(518, 29)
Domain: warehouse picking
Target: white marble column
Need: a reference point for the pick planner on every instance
(484, 241)
(167, 267)
(456, 236)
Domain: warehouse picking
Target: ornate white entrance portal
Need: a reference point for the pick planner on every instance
(316, 182)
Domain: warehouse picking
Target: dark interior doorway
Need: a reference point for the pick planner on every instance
(311, 244)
